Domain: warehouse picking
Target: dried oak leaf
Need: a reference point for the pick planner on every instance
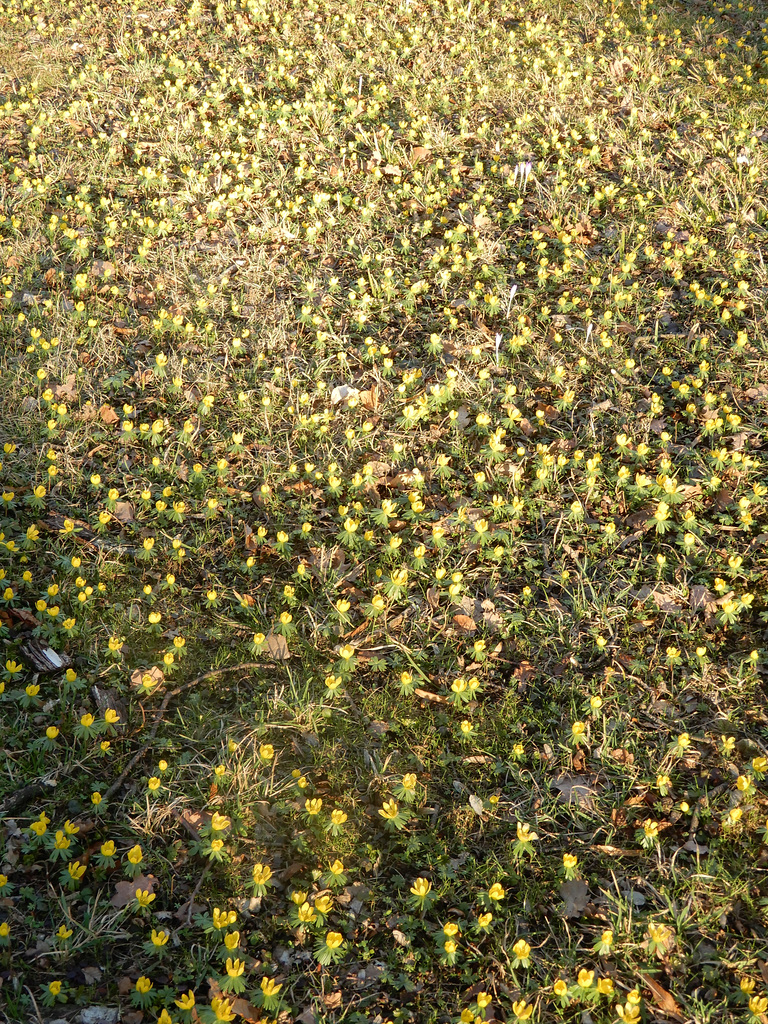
(434, 698)
(575, 897)
(239, 1006)
(575, 789)
(465, 622)
(107, 415)
(155, 674)
(67, 390)
(125, 891)
(663, 999)
(277, 646)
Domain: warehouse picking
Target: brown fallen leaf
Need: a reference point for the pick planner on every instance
(332, 1001)
(102, 268)
(370, 399)
(622, 756)
(239, 1006)
(68, 390)
(702, 599)
(187, 911)
(125, 891)
(193, 821)
(108, 416)
(155, 675)
(123, 511)
(575, 896)
(524, 671)
(617, 851)
(575, 790)
(435, 698)
(277, 646)
(663, 999)
(465, 622)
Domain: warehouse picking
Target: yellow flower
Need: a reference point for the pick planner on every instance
(496, 891)
(570, 860)
(135, 855)
(261, 874)
(222, 1008)
(143, 985)
(232, 941)
(524, 833)
(306, 913)
(144, 897)
(223, 918)
(338, 817)
(337, 867)
(484, 999)
(54, 987)
(522, 1010)
(63, 932)
(389, 810)
(521, 949)
(235, 967)
(560, 987)
(160, 938)
(333, 940)
(313, 807)
(323, 904)
(270, 987)
(421, 887)
(659, 933)
(758, 1005)
(187, 1001)
(585, 978)
(219, 822)
(451, 929)
(266, 751)
(605, 986)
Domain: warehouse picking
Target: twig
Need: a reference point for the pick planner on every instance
(195, 891)
(21, 797)
(163, 708)
(34, 1003)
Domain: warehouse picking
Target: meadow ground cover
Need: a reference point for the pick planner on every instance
(383, 604)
